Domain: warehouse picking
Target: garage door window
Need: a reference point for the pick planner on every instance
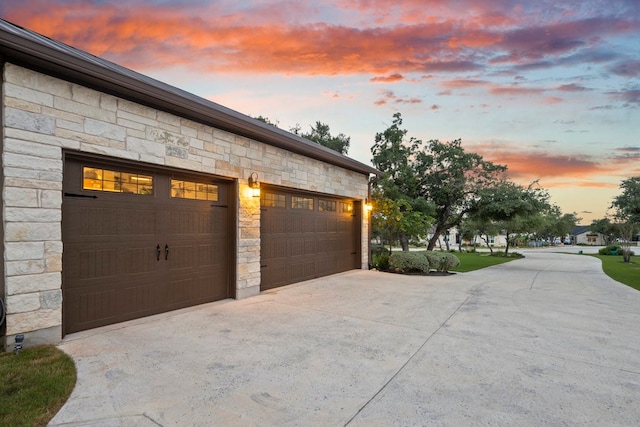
(274, 200)
(114, 181)
(346, 207)
(302, 203)
(193, 190)
(327, 205)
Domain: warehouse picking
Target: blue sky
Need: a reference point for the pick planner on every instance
(549, 88)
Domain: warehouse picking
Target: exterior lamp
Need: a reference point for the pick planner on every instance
(254, 185)
(367, 205)
(18, 343)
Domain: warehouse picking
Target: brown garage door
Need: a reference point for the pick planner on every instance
(139, 242)
(304, 236)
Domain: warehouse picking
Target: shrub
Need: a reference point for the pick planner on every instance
(408, 262)
(379, 250)
(380, 261)
(441, 261)
(509, 255)
(610, 248)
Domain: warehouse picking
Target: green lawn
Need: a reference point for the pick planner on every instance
(627, 273)
(34, 384)
(470, 261)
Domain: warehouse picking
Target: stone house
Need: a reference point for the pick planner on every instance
(125, 197)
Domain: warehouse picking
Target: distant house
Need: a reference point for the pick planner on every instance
(581, 235)
(453, 238)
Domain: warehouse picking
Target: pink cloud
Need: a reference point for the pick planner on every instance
(391, 97)
(463, 37)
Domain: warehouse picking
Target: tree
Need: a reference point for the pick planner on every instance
(439, 176)
(473, 226)
(626, 207)
(452, 179)
(320, 134)
(555, 224)
(605, 228)
(267, 121)
(393, 219)
(393, 156)
(512, 208)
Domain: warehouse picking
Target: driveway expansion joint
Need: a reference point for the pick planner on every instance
(386, 384)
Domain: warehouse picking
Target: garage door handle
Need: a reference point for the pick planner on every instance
(158, 252)
(166, 252)
(86, 196)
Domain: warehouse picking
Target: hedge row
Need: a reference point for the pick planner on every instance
(422, 262)
(612, 250)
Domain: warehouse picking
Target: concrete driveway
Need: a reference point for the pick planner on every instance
(547, 340)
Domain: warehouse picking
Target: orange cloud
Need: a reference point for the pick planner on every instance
(530, 165)
(512, 90)
(388, 79)
(463, 83)
(596, 184)
(464, 37)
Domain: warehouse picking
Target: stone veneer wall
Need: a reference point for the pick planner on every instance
(43, 115)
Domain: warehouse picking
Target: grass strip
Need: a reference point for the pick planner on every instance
(623, 272)
(34, 384)
(470, 261)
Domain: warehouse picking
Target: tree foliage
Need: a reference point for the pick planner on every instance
(439, 176)
(555, 224)
(267, 121)
(511, 208)
(474, 226)
(396, 220)
(606, 228)
(396, 192)
(321, 134)
(627, 204)
(452, 180)
(626, 212)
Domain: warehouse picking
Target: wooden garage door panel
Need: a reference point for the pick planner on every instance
(104, 304)
(301, 244)
(128, 256)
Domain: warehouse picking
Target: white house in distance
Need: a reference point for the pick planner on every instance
(581, 235)
(125, 197)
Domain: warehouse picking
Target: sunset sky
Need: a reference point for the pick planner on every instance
(551, 88)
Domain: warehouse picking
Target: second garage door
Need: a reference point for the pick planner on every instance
(304, 236)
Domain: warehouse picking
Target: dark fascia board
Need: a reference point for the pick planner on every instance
(33, 50)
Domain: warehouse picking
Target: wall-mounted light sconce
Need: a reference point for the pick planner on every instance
(367, 205)
(254, 185)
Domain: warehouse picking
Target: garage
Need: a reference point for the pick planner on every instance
(125, 197)
(305, 236)
(140, 241)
